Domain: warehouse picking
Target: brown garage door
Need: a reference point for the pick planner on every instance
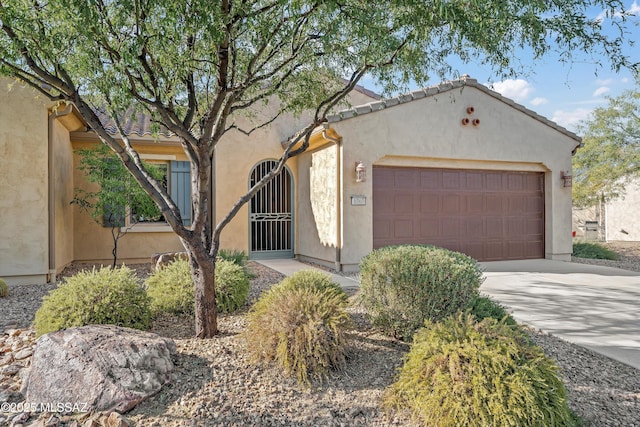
(489, 215)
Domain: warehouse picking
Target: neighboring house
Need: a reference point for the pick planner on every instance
(456, 165)
(615, 220)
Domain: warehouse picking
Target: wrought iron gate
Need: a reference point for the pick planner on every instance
(271, 214)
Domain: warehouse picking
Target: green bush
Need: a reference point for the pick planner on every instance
(232, 286)
(171, 288)
(109, 296)
(235, 256)
(463, 373)
(300, 324)
(402, 286)
(593, 251)
(4, 289)
(482, 307)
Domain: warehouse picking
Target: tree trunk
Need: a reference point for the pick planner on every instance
(203, 273)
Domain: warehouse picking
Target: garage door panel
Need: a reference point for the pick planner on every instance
(382, 229)
(493, 250)
(475, 203)
(430, 179)
(451, 227)
(403, 228)
(494, 204)
(451, 180)
(516, 205)
(515, 226)
(429, 203)
(406, 179)
(429, 228)
(451, 204)
(494, 227)
(490, 215)
(533, 226)
(474, 228)
(534, 205)
(403, 203)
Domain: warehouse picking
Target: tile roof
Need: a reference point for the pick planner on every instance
(382, 104)
(134, 123)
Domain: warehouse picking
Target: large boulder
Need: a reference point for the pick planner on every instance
(101, 367)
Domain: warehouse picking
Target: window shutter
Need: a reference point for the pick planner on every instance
(113, 216)
(181, 188)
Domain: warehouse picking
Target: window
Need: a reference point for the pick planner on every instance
(176, 177)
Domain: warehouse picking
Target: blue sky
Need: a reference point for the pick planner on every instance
(564, 93)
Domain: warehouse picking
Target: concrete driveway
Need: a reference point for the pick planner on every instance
(592, 306)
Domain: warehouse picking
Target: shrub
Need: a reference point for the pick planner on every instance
(4, 289)
(232, 286)
(402, 286)
(171, 289)
(109, 296)
(235, 256)
(300, 324)
(594, 251)
(482, 307)
(460, 373)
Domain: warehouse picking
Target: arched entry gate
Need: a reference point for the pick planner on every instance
(271, 214)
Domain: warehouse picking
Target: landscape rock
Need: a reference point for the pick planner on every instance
(101, 367)
(163, 259)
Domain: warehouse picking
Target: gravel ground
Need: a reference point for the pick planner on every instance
(215, 384)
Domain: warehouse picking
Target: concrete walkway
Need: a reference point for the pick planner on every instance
(592, 306)
(290, 266)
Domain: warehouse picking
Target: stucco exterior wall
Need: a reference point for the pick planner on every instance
(318, 204)
(622, 215)
(63, 195)
(23, 185)
(428, 133)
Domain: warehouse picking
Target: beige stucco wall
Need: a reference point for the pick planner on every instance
(318, 203)
(23, 185)
(622, 215)
(428, 133)
(63, 166)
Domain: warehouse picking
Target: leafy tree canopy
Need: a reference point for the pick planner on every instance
(610, 156)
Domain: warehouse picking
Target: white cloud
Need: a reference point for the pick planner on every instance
(539, 101)
(625, 80)
(518, 89)
(569, 119)
(634, 9)
(600, 91)
(605, 82)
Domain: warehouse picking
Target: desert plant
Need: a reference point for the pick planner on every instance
(237, 257)
(594, 251)
(171, 289)
(402, 286)
(110, 296)
(4, 289)
(300, 324)
(463, 373)
(234, 255)
(482, 307)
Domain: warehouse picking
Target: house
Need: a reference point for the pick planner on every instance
(613, 220)
(456, 165)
